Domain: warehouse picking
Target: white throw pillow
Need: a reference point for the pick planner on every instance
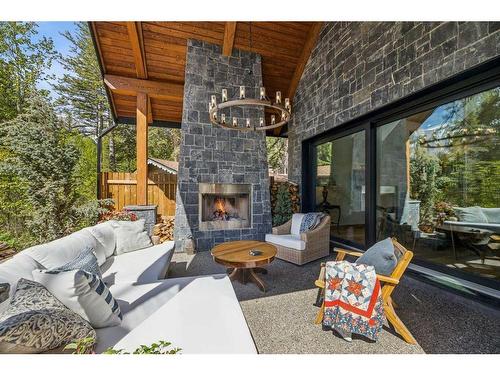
(106, 240)
(58, 252)
(84, 293)
(130, 236)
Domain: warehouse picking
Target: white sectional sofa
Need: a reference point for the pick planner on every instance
(197, 314)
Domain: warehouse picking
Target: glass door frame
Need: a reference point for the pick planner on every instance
(310, 180)
(475, 80)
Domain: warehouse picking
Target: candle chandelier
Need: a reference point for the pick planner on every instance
(279, 118)
(280, 112)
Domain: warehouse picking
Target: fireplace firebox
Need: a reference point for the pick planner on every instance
(225, 206)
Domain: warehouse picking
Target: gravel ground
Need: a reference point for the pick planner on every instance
(282, 319)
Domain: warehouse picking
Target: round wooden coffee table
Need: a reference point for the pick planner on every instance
(242, 266)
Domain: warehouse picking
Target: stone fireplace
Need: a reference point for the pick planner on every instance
(225, 206)
(223, 178)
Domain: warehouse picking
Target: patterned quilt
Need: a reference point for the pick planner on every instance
(353, 301)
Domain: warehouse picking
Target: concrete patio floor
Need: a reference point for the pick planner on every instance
(281, 320)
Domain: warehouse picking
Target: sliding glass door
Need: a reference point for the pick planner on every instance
(438, 184)
(339, 186)
(428, 175)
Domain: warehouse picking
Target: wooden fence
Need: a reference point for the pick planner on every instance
(122, 188)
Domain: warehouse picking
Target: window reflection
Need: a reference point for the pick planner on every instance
(340, 185)
(438, 175)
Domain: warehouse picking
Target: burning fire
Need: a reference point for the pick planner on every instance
(220, 205)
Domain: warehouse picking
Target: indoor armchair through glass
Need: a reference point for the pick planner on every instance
(435, 179)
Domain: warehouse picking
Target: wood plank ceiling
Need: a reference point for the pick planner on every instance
(156, 52)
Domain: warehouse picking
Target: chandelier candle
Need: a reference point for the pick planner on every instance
(262, 93)
(224, 95)
(278, 97)
(242, 92)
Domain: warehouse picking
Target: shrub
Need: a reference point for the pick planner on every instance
(283, 208)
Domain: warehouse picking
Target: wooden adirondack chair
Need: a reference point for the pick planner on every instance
(389, 283)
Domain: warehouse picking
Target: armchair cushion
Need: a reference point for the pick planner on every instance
(287, 240)
(381, 256)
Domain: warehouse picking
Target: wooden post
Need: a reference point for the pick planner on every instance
(142, 148)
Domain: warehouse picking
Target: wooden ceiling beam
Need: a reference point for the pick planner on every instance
(135, 35)
(154, 89)
(141, 68)
(229, 33)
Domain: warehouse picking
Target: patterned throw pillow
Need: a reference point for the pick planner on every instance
(86, 261)
(36, 321)
(84, 293)
(310, 221)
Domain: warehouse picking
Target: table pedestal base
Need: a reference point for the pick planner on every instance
(244, 275)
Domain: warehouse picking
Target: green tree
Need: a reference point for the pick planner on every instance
(24, 61)
(85, 169)
(424, 170)
(163, 143)
(283, 206)
(82, 96)
(43, 157)
(325, 152)
(277, 154)
(123, 141)
(81, 90)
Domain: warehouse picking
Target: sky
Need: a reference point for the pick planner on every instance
(52, 30)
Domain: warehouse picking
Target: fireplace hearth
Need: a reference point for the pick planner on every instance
(224, 206)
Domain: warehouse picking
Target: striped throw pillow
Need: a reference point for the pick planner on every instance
(84, 293)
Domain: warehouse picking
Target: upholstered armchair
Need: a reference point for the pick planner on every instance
(301, 248)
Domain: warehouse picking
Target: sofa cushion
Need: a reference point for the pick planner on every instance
(12, 270)
(141, 266)
(84, 293)
(170, 311)
(472, 214)
(130, 236)
(106, 240)
(381, 256)
(296, 223)
(85, 261)
(36, 321)
(492, 215)
(61, 251)
(287, 240)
